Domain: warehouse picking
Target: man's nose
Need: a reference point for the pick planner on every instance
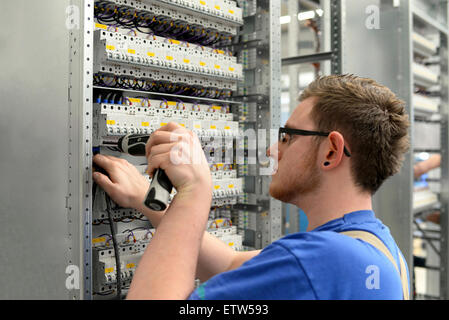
(274, 152)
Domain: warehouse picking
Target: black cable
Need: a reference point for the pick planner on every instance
(104, 293)
(116, 250)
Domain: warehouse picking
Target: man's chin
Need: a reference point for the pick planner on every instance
(277, 193)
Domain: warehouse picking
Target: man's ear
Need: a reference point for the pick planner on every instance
(334, 150)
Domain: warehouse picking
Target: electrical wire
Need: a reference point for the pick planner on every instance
(147, 23)
(116, 250)
(107, 293)
(125, 82)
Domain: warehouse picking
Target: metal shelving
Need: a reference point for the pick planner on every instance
(429, 43)
(407, 51)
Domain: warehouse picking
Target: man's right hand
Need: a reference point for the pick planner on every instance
(125, 185)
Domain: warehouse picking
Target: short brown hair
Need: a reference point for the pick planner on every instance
(372, 120)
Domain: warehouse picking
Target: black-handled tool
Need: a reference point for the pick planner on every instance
(160, 189)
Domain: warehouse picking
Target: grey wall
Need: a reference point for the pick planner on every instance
(34, 53)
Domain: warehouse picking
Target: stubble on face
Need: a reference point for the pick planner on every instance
(296, 181)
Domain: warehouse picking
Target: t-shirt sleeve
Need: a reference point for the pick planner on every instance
(273, 274)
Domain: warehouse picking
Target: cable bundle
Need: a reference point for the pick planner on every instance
(111, 15)
(128, 83)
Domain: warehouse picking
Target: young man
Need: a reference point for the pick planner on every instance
(344, 139)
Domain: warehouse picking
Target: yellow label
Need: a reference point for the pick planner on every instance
(197, 126)
(227, 128)
(216, 107)
(217, 187)
(231, 11)
(231, 244)
(110, 122)
(231, 186)
(163, 124)
(213, 127)
(203, 64)
(145, 124)
(182, 125)
(132, 51)
(151, 54)
(175, 41)
(217, 66)
(101, 26)
(169, 58)
(217, 7)
(108, 270)
(219, 221)
(135, 100)
(98, 240)
(172, 103)
(186, 61)
(231, 69)
(110, 48)
(220, 165)
(130, 265)
(220, 51)
(203, 2)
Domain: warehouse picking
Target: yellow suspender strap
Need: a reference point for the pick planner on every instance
(378, 244)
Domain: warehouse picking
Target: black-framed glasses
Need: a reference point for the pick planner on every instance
(284, 131)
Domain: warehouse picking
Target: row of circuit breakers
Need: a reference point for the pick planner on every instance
(157, 62)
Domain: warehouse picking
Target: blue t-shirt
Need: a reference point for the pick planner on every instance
(320, 264)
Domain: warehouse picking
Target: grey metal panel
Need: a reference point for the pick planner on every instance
(275, 104)
(444, 195)
(80, 148)
(33, 139)
(315, 57)
(337, 23)
(326, 37)
(385, 55)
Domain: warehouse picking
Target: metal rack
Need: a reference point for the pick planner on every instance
(434, 236)
(333, 9)
(388, 57)
(48, 202)
(263, 38)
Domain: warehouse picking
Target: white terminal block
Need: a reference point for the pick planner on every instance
(224, 188)
(129, 262)
(172, 54)
(106, 67)
(234, 241)
(227, 234)
(125, 239)
(144, 116)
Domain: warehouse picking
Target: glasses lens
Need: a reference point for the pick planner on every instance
(281, 136)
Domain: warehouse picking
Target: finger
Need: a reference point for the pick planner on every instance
(104, 162)
(159, 161)
(104, 182)
(172, 126)
(178, 153)
(161, 148)
(160, 137)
